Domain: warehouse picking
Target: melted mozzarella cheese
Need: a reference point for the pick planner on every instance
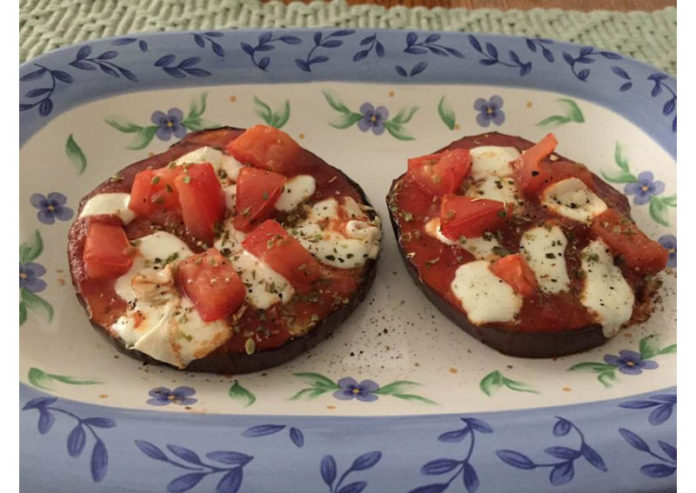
(544, 250)
(231, 197)
(347, 247)
(230, 241)
(218, 159)
(573, 199)
(295, 191)
(605, 292)
(109, 203)
(264, 286)
(159, 321)
(483, 248)
(493, 188)
(492, 161)
(484, 296)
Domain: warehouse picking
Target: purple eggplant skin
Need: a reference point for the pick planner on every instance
(219, 361)
(542, 344)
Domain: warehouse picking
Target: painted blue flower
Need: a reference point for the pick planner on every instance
(51, 207)
(351, 389)
(169, 124)
(29, 277)
(373, 118)
(644, 188)
(670, 243)
(630, 362)
(162, 396)
(489, 111)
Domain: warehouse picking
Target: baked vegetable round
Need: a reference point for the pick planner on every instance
(526, 250)
(231, 252)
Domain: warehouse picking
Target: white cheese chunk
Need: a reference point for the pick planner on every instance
(544, 250)
(483, 248)
(334, 241)
(605, 292)
(159, 321)
(218, 159)
(492, 161)
(573, 199)
(484, 296)
(231, 238)
(264, 286)
(230, 197)
(295, 191)
(493, 188)
(109, 203)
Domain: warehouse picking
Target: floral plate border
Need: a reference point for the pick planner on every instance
(582, 446)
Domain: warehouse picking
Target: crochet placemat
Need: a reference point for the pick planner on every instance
(48, 24)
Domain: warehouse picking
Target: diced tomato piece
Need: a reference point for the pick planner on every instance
(533, 172)
(257, 192)
(266, 148)
(440, 173)
(622, 235)
(514, 270)
(464, 216)
(284, 254)
(202, 200)
(211, 283)
(154, 190)
(107, 251)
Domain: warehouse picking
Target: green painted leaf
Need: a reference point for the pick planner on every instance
(607, 378)
(36, 303)
(572, 110)
(73, 380)
(491, 382)
(39, 378)
(143, 138)
(335, 103)
(649, 347)
(412, 397)
(263, 111)
(658, 211)
(518, 386)
(75, 154)
(670, 201)
(31, 249)
(311, 393)
(22, 312)
(446, 112)
(404, 115)
(197, 107)
(620, 177)
(619, 157)
(194, 124)
(554, 121)
(346, 120)
(397, 131)
(589, 366)
(397, 387)
(281, 118)
(317, 380)
(123, 125)
(668, 349)
(239, 393)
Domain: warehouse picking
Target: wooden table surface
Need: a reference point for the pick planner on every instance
(584, 5)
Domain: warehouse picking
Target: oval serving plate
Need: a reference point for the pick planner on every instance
(400, 399)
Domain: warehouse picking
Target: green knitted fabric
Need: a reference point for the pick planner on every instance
(48, 24)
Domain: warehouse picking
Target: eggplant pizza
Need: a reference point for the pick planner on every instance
(231, 252)
(526, 250)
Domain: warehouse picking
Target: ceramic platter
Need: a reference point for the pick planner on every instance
(437, 410)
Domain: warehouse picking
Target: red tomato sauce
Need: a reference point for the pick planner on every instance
(437, 262)
(269, 328)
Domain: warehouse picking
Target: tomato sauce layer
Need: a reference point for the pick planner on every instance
(269, 328)
(437, 262)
